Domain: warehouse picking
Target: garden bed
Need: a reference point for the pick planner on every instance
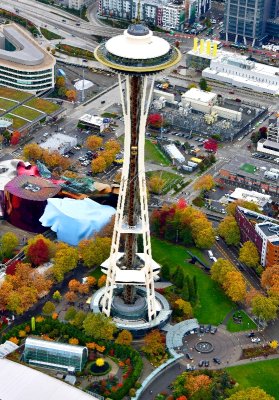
(43, 105)
(13, 94)
(96, 370)
(260, 351)
(75, 51)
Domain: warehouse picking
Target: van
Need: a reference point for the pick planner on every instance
(210, 254)
(214, 259)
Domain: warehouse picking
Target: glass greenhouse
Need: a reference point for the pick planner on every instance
(54, 355)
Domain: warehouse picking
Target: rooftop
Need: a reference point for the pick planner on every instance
(46, 344)
(199, 95)
(20, 382)
(27, 54)
(31, 188)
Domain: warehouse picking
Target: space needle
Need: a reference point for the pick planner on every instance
(129, 295)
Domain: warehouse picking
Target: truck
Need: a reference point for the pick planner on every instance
(192, 164)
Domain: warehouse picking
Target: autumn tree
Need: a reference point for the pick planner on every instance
(32, 242)
(156, 184)
(102, 281)
(219, 270)
(48, 308)
(109, 157)
(66, 258)
(154, 343)
(71, 297)
(235, 285)
(74, 285)
(83, 289)
(196, 383)
(249, 255)
(70, 313)
(113, 145)
(205, 182)
(38, 253)
(94, 142)
(32, 152)
(185, 307)
(60, 82)
(250, 296)
(94, 251)
(264, 308)
(57, 296)
(252, 393)
(98, 165)
(15, 138)
(8, 243)
(229, 231)
(91, 281)
(78, 319)
(231, 207)
(270, 277)
(71, 95)
(203, 232)
(124, 337)
(99, 326)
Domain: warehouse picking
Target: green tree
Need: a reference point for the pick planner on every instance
(179, 277)
(57, 296)
(70, 313)
(253, 393)
(8, 243)
(99, 326)
(185, 290)
(94, 251)
(79, 318)
(48, 308)
(192, 293)
(264, 307)
(229, 231)
(249, 255)
(165, 271)
(203, 84)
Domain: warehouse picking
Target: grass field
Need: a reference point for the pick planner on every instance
(154, 154)
(213, 304)
(7, 104)
(247, 323)
(17, 122)
(43, 105)
(26, 112)
(50, 35)
(13, 94)
(251, 169)
(97, 273)
(264, 374)
(170, 178)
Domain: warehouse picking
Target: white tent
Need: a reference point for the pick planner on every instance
(83, 84)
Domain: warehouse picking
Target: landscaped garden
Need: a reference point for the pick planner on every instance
(50, 35)
(27, 113)
(240, 322)
(75, 51)
(13, 94)
(212, 304)
(43, 105)
(6, 104)
(17, 122)
(264, 374)
(170, 180)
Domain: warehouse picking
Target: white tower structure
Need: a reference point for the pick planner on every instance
(136, 55)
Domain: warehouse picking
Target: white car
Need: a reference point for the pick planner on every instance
(255, 340)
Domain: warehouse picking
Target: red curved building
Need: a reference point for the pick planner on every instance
(25, 199)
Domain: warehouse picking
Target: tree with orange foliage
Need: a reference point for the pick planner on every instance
(102, 281)
(73, 341)
(91, 281)
(60, 82)
(98, 165)
(250, 296)
(270, 277)
(94, 142)
(15, 138)
(154, 343)
(83, 289)
(113, 145)
(71, 95)
(235, 285)
(71, 297)
(74, 285)
(195, 383)
(205, 182)
(109, 156)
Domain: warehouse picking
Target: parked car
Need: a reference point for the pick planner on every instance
(213, 330)
(251, 334)
(255, 340)
(207, 328)
(201, 328)
(201, 363)
(187, 355)
(217, 360)
(206, 363)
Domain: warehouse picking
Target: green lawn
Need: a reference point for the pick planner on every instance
(246, 324)
(213, 304)
(97, 273)
(154, 154)
(7, 104)
(17, 122)
(43, 105)
(13, 94)
(171, 179)
(264, 374)
(50, 35)
(251, 169)
(26, 112)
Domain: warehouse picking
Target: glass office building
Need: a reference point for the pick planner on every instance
(245, 20)
(54, 355)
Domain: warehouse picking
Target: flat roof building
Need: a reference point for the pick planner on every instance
(24, 64)
(60, 142)
(54, 355)
(260, 199)
(174, 153)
